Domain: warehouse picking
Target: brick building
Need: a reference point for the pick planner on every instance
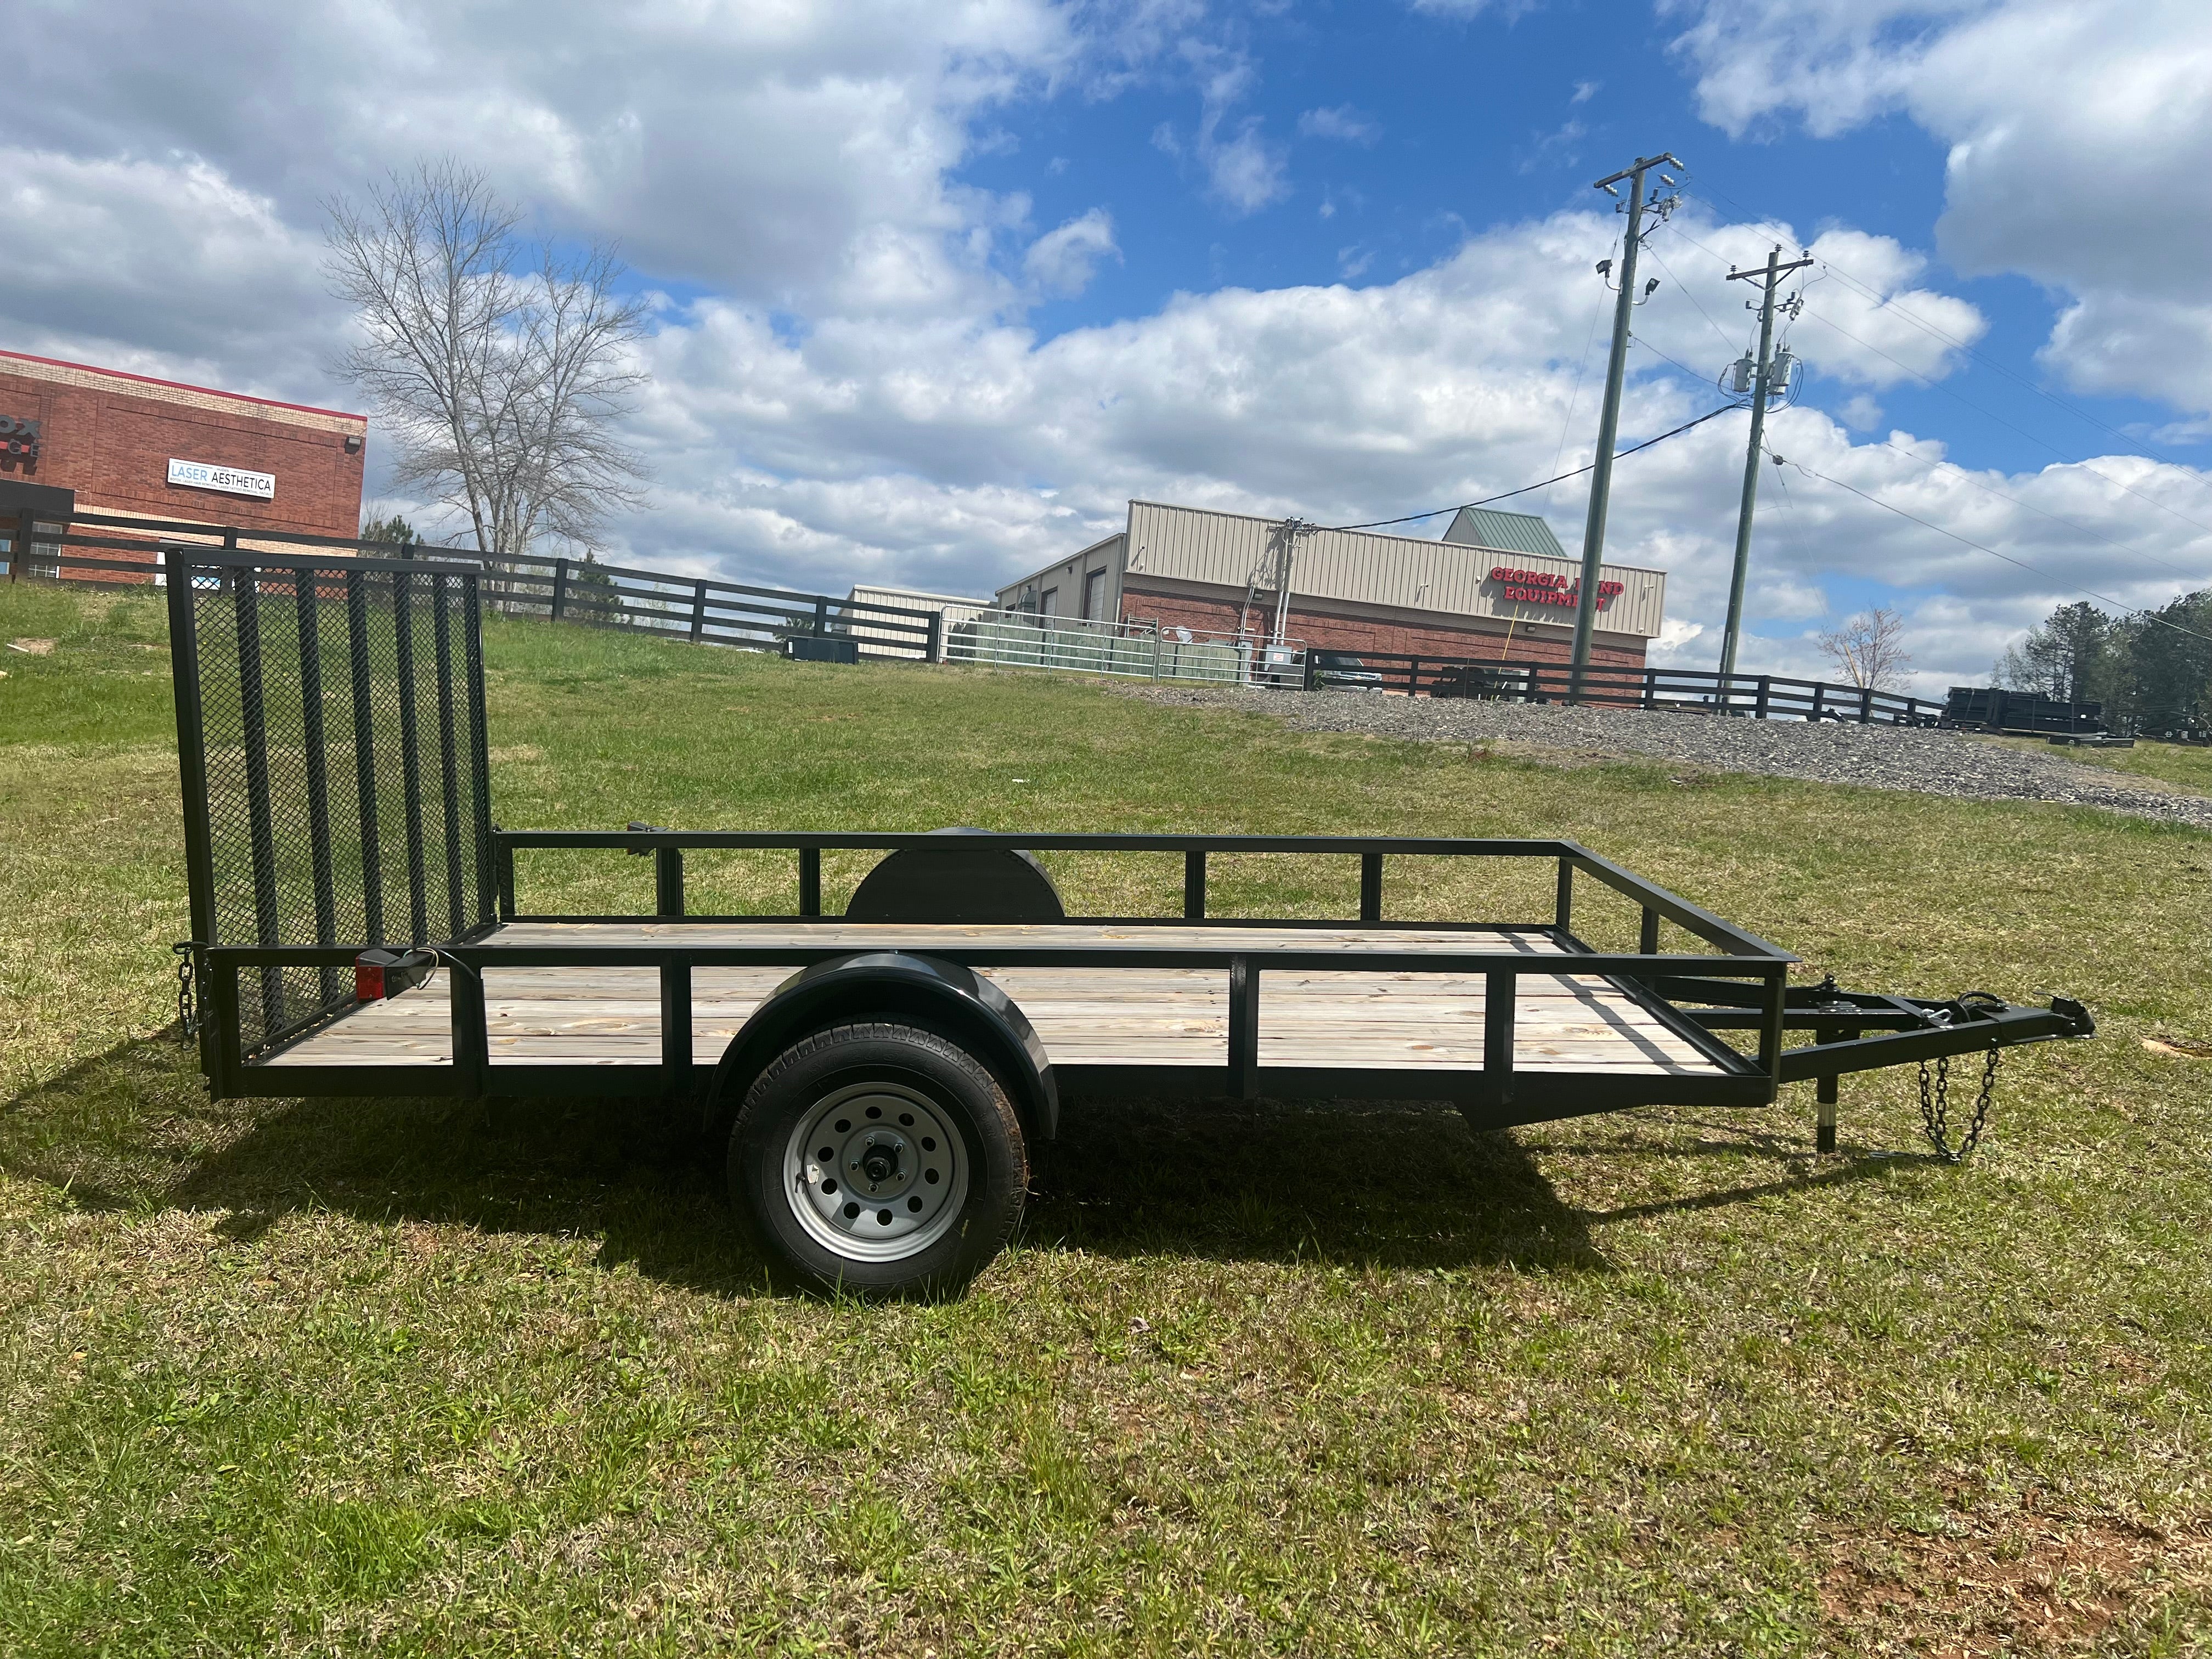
(129, 444)
(1497, 587)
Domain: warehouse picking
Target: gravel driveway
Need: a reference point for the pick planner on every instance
(1878, 757)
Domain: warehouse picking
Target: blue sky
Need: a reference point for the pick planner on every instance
(942, 283)
(1460, 122)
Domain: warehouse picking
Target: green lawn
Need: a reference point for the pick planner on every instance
(407, 1376)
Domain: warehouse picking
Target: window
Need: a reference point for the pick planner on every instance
(1094, 595)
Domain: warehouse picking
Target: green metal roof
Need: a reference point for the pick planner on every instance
(1506, 533)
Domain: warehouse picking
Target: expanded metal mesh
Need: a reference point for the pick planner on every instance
(340, 709)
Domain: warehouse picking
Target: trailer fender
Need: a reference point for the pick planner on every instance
(955, 1001)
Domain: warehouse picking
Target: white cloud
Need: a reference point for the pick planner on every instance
(2116, 339)
(1866, 321)
(163, 268)
(843, 386)
(1835, 62)
(1860, 412)
(1785, 598)
(1876, 328)
(1584, 91)
(1471, 7)
(901, 453)
(1243, 171)
(2071, 124)
(1341, 122)
(1555, 149)
(1062, 261)
(751, 148)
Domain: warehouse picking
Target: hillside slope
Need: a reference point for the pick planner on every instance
(1280, 1377)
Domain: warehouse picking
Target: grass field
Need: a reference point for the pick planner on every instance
(409, 1376)
(2182, 765)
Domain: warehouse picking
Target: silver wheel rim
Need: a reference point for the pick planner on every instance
(875, 1172)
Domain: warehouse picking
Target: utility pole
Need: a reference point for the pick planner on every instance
(1769, 277)
(1292, 529)
(1273, 569)
(1609, 423)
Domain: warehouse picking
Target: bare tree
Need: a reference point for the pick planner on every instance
(501, 370)
(1869, 649)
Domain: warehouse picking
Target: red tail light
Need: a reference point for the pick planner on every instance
(380, 974)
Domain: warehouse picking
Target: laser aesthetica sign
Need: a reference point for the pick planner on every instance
(230, 480)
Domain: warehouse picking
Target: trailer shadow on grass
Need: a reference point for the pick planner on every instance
(1399, 1184)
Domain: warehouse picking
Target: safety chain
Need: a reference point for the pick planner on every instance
(188, 1006)
(1935, 1099)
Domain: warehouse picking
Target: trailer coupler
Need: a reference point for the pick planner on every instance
(1918, 1030)
(1865, 1031)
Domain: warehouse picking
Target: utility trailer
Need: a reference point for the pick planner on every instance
(874, 1077)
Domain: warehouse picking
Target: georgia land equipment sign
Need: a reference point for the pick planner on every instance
(1546, 587)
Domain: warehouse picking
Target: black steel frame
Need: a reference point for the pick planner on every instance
(274, 966)
(1745, 976)
(264, 865)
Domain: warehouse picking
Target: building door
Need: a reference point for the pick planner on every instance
(1094, 595)
(1049, 603)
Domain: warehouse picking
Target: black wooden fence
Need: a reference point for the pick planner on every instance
(703, 609)
(105, 547)
(1759, 696)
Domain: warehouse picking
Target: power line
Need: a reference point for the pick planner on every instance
(2083, 530)
(1693, 299)
(1960, 397)
(1978, 355)
(2117, 605)
(1934, 386)
(1574, 396)
(1413, 518)
(1956, 397)
(1639, 339)
(1790, 513)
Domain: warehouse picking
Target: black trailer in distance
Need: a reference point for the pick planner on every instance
(874, 1078)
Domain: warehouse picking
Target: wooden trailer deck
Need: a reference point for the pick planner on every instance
(1088, 1017)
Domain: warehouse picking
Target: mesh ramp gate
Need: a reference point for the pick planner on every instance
(331, 743)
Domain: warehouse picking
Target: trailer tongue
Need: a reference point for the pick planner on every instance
(873, 1076)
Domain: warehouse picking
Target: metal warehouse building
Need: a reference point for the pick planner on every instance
(954, 608)
(1497, 587)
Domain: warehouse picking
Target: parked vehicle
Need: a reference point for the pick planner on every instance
(1346, 673)
(1478, 680)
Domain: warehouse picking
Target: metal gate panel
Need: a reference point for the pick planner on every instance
(331, 740)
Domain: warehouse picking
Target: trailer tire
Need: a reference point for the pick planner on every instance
(880, 1159)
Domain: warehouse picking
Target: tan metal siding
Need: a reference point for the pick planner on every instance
(1192, 544)
(1068, 574)
(954, 610)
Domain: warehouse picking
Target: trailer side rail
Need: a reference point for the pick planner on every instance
(668, 846)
